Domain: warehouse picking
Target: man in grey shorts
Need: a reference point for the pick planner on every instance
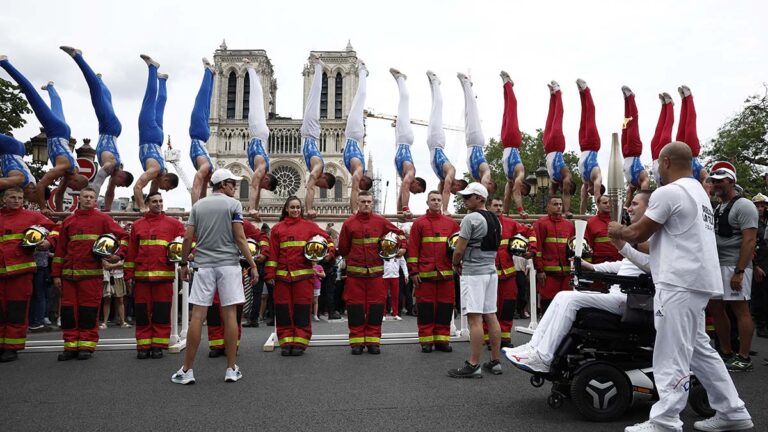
(475, 260)
(736, 232)
(217, 224)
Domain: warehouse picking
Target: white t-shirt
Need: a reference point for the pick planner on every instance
(684, 252)
(392, 268)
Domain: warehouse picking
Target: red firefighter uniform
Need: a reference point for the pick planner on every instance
(552, 233)
(506, 296)
(147, 264)
(428, 257)
(213, 319)
(293, 275)
(597, 237)
(82, 274)
(364, 292)
(17, 266)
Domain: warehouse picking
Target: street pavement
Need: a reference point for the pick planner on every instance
(327, 389)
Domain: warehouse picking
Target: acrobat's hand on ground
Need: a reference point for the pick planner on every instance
(523, 214)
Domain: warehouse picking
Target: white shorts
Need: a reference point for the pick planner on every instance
(478, 293)
(316, 292)
(746, 285)
(227, 280)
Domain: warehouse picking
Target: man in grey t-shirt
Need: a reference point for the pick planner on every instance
(735, 231)
(217, 224)
(474, 259)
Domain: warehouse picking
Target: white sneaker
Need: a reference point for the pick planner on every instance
(647, 426)
(162, 76)
(397, 74)
(397, 318)
(529, 361)
(232, 375)
(148, 60)
(103, 326)
(581, 84)
(125, 325)
(432, 77)
(628, 92)
(315, 318)
(181, 377)
(715, 424)
(554, 86)
(518, 350)
(684, 91)
(505, 77)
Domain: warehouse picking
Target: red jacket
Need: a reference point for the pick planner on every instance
(254, 233)
(553, 233)
(148, 248)
(505, 266)
(359, 243)
(428, 246)
(73, 258)
(597, 237)
(15, 259)
(286, 250)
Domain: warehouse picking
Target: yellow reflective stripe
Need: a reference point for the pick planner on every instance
(90, 272)
(285, 340)
(412, 260)
(372, 339)
(531, 239)
(554, 268)
(155, 273)
(295, 272)
(123, 242)
(152, 242)
(129, 265)
(263, 243)
(21, 266)
(86, 344)
(300, 340)
(53, 233)
(555, 240)
(70, 344)
(293, 244)
(433, 239)
(506, 335)
(270, 264)
(504, 242)
(355, 269)
(15, 341)
(506, 271)
(143, 341)
(538, 254)
(426, 339)
(8, 237)
(215, 342)
(436, 273)
(160, 340)
(330, 244)
(442, 338)
(58, 260)
(83, 237)
(356, 340)
(365, 240)
(602, 239)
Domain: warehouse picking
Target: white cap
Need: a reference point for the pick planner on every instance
(475, 189)
(723, 170)
(222, 174)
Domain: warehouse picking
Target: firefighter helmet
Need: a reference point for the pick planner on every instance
(174, 250)
(34, 235)
(106, 245)
(388, 246)
(518, 245)
(253, 247)
(452, 239)
(570, 248)
(316, 248)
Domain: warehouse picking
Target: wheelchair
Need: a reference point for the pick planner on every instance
(604, 364)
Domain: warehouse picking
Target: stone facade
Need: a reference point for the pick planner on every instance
(229, 126)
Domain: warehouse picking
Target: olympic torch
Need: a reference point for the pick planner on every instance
(615, 179)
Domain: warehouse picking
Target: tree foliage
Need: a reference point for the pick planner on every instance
(742, 141)
(533, 156)
(13, 106)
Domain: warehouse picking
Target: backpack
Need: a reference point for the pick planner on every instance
(492, 239)
(722, 227)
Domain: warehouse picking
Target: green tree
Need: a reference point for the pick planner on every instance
(742, 141)
(533, 156)
(13, 106)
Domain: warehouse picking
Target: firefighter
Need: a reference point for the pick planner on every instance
(293, 274)
(365, 294)
(152, 274)
(551, 262)
(506, 298)
(429, 264)
(17, 266)
(213, 319)
(78, 274)
(597, 234)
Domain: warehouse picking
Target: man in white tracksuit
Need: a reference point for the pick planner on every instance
(686, 272)
(537, 355)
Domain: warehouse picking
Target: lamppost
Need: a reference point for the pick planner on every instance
(542, 182)
(39, 146)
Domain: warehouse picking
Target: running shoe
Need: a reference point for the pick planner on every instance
(181, 377)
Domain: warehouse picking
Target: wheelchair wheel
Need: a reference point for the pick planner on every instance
(698, 400)
(601, 392)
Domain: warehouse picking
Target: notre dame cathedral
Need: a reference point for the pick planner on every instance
(229, 127)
